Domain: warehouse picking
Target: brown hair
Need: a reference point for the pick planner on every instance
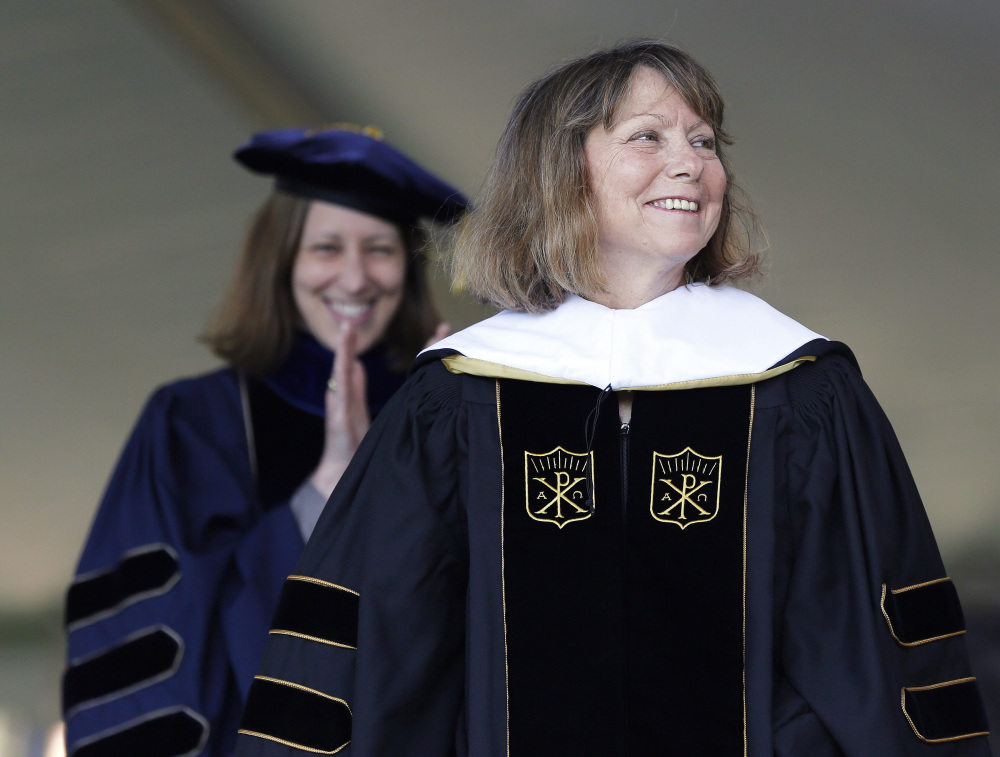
(255, 325)
(532, 235)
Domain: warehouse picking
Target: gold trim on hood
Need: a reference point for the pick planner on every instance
(474, 367)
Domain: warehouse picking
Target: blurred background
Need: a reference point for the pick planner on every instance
(866, 134)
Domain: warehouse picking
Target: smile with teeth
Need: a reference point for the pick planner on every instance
(672, 203)
(350, 309)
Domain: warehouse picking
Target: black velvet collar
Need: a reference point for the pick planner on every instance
(288, 408)
(301, 379)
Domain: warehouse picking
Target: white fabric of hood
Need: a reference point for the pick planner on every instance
(692, 333)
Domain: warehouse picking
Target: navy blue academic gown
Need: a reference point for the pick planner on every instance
(169, 611)
(473, 589)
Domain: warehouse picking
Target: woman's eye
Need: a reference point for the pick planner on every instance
(707, 143)
(328, 248)
(644, 136)
(383, 250)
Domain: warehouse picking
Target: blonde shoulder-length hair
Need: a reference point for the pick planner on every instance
(255, 326)
(532, 235)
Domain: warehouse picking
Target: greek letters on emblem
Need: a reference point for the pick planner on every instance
(685, 488)
(556, 485)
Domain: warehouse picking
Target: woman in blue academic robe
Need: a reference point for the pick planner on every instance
(224, 475)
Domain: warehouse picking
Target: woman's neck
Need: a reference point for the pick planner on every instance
(629, 286)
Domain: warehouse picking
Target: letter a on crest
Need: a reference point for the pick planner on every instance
(556, 485)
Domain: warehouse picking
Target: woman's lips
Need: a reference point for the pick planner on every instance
(675, 203)
(353, 312)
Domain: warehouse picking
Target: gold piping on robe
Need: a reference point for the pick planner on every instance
(892, 630)
(503, 575)
(292, 744)
(936, 686)
(475, 367)
(746, 500)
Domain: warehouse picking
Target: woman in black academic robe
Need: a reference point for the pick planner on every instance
(638, 512)
(224, 475)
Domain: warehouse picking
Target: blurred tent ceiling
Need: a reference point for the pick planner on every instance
(867, 135)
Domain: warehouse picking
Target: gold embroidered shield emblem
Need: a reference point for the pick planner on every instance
(685, 488)
(556, 485)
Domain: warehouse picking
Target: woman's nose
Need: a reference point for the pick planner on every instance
(685, 163)
(353, 273)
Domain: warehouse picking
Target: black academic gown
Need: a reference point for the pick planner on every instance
(453, 602)
(168, 614)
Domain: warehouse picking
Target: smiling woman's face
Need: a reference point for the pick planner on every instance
(656, 179)
(350, 269)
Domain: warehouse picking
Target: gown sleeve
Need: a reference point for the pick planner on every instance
(366, 650)
(176, 564)
(872, 643)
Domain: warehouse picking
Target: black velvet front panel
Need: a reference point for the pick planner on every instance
(625, 625)
(319, 611)
(142, 573)
(946, 712)
(172, 733)
(296, 716)
(924, 613)
(140, 661)
(563, 580)
(288, 443)
(685, 585)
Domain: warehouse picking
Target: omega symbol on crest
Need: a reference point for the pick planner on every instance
(556, 485)
(685, 488)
